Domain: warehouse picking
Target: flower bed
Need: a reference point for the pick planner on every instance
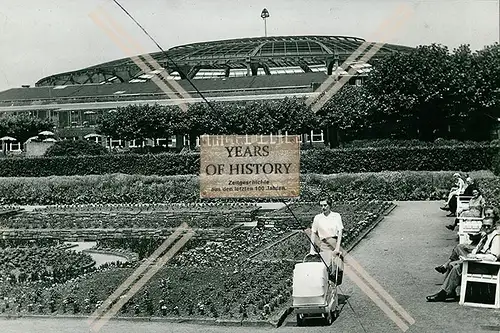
(252, 293)
(122, 220)
(46, 264)
(116, 188)
(207, 279)
(225, 252)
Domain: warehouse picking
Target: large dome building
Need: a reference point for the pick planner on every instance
(237, 69)
(232, 58)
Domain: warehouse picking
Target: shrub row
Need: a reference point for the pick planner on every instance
(119, 188)
(321, 161)
(466, 158)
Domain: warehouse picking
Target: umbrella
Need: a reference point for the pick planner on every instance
(92, 135)
(46, 133)
(32, 138)
(8, 138)
(50, 140)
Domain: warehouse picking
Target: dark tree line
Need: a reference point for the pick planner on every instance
(426, 94)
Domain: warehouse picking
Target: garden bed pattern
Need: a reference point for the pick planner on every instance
(208, 279)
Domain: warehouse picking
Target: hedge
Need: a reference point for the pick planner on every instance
(466, 158)
(120, 188)
(321, 161)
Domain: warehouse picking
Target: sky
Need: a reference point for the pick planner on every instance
(39, 38)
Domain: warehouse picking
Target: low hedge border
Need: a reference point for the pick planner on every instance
(119, 188)
(322, 161)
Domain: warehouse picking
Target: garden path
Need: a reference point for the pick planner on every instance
(400, 254)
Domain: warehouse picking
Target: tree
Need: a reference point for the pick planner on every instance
(23, 127)
(413, 90)
(345, 114)
(431, 93)
(140, 122)
(487, 91)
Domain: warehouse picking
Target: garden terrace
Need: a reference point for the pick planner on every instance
(234, 273)
(157, 220)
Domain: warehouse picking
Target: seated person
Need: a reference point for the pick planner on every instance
(464, 249)
(470, 186)
(475, 209)
(459, 188)
(487, 250)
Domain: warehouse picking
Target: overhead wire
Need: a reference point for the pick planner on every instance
(211, 106)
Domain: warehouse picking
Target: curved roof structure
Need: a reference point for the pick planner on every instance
(236, 57)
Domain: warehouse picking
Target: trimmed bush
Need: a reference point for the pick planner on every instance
(466, 158)
(164, 164)
(76, 148)
(322, 161)
(381, 143)
(120, 188)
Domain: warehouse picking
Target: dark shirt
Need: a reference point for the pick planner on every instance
(468, 190)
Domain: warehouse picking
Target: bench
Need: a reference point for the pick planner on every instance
(480, 285)
(466, 226)
(462, 203)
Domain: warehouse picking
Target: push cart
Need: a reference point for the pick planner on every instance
(315, 288)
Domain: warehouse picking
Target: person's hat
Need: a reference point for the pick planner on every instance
(456, 174)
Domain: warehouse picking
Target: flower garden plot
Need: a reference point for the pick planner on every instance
(213, 250)
(209, 278)
(237, 248)
(133, 216)
(351, 212)
(219, 207)
(356, 217)
(254, 292)
(50, 264)
(115, 221)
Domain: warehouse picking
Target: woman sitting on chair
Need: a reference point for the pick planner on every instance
(458, 189)
(475, 209)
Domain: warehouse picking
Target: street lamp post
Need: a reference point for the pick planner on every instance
(265, 15)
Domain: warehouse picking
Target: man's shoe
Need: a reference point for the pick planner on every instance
(450, 227)
(450, 215)
(439, 297)
(441, 269)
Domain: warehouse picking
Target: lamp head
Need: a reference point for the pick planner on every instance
(264, 14)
